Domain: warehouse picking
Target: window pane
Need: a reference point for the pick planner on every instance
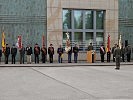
(99, 38)
(78, 19)
(78, 39)
(89, 37)
(89, 19)
(66, 19)
(100, 19)
(78, 36)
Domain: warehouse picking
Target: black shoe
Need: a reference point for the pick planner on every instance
(117, 68)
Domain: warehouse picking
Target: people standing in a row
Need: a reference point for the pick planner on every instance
(102, 52)
(13, 53)
(51, 53)
(60, 54)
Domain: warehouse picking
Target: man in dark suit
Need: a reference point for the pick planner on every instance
(102, 52)
(60, 53)
(13, 53)
(128, 53)
(44, 53)
(51, 53)
(0, 55)
(29, 53)
(113, 48)
(22, 54)
(36, 53)
(75, 51)
(7, 53)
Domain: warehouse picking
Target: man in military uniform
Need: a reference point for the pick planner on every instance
(51, 53)
(90, 47)
(44, 53)
(128, 53)
(113, 48)
(7, 53)
(102, 52)
(75, 51)
(36, 53)
(117, 55)
(13, 53)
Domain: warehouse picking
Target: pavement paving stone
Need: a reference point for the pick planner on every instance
(28, 84)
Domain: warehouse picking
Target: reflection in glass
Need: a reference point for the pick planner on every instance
(100, 19)
(89, 19)
(99, 38)
(67, 19)
(78, 36)
(78, 19)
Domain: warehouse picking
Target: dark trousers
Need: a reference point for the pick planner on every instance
(108, 56)
(13, 59)
(123, 58)
(59, 59)
(102, 57)
(6, 59)
(117, 62)
(43, 58)
(36, 59)
(75, 57)
(128, 57)
(113, 58)
(21, 59)
(69, 58)
(51, 58)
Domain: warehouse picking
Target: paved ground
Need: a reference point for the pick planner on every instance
(71, 82)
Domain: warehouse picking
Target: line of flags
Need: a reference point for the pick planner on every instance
(19, 41)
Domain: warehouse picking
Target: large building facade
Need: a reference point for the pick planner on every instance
(86, 21)
(126, 21)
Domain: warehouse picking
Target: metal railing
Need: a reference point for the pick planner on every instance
(83, 46)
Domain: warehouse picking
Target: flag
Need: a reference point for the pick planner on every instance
(108, 43)
(120, 42)
(19, 42)
(3, 42)
(43, 40)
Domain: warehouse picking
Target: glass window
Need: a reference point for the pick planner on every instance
(100, 19)
(89, 37)
(78, 19)
(78, 36)
(89, 19)
(99, 38)
(66, 19)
